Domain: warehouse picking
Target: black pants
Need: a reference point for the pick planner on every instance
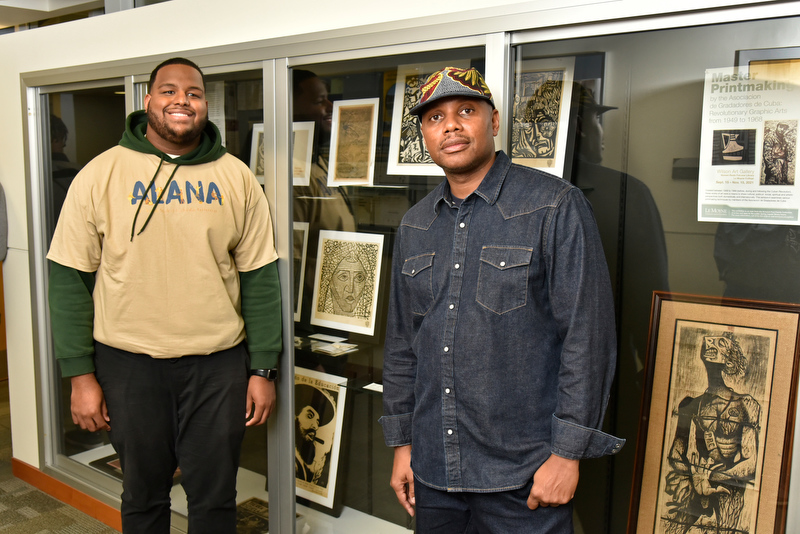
(187, 412)
(505, 512)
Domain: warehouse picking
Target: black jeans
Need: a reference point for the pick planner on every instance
(165, 413)
(505, 512)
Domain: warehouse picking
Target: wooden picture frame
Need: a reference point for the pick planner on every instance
(302, 149)
(541, 111)
(350, 301)
(318, 436)
(354, 135)
(407, 152)
(717, 419)
(257, 152)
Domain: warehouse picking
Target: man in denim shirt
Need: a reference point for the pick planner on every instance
(500, 347)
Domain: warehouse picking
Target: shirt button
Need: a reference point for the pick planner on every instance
(502, 264)
(452, 306)
(457, 266)
(447, 390)
(462, 225)
(447, 349)
(413, 271)
(449, 431)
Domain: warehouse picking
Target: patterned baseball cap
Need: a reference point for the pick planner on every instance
(452, 81)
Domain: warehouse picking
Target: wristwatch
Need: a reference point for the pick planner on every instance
(269, 374)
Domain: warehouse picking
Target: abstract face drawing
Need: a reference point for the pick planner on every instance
(347, 285)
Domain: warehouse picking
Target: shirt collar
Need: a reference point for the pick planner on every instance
(489, 188)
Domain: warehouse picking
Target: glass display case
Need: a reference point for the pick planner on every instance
(620, 116)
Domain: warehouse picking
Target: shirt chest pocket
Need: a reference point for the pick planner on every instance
(503, 278)
(418, 273)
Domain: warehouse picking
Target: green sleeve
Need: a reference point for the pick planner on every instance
(72, 318)
(261, 311)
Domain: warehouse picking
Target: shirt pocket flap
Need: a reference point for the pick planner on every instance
(506, 257)
(413, 266)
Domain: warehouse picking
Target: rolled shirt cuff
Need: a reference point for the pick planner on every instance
(577, 442)
(396, 429)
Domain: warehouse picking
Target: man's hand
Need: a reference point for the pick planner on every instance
(260, 400)
(402, 481)
(88, 404)
(554, 482)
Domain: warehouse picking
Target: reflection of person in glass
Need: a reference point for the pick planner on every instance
(630, 227)
(322, 207)
(715, 449)
(313, 409)
(63, 169)
(347, 285)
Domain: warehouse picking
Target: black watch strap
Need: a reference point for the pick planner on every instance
(269, 374)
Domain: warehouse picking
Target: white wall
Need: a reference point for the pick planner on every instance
(183, 26)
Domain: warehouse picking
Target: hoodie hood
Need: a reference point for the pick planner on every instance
(209, 149)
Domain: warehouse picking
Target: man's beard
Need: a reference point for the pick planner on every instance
(166, 132)
(305, 447)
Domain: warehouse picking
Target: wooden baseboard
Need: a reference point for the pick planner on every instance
(67, 494)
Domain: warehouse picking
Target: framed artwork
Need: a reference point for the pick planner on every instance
(407, 152)
(319, 400)
(346, 281)
(354, 137)
(541, 109)
(257, 152)
(300, 246)
(302, 148)
(717, 417)
(771, 63)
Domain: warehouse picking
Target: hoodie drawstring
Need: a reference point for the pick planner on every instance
(144, 196)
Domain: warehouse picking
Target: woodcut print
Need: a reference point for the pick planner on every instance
(354, 134)
(713, 453)
(407, 152)
(779, 152)
(302, 148)
(319, 418)
(542, 99)
(346, 281)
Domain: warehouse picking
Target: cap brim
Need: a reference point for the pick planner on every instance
(603, 109)
(420, 108)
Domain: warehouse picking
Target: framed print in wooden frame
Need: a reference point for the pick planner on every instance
(257, 152)
(347, 280)
(541, 110)
(300, 248)
(717, 420)
(354, 135)
(302, 149)
(407, 152)
(319, 417)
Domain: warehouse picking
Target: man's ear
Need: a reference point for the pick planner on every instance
(579, 126)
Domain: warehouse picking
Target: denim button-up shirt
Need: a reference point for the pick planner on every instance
(500, 344)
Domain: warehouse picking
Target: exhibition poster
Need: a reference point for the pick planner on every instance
(748, 149)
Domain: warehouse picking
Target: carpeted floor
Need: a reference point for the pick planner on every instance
(26, 510)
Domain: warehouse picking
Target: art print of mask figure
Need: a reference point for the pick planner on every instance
(347, 285)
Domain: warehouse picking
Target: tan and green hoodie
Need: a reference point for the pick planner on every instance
(164, 256)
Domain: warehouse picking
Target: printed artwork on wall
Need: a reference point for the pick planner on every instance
(353, 140)
(541, 107)
(319, 418)
(346, 281)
